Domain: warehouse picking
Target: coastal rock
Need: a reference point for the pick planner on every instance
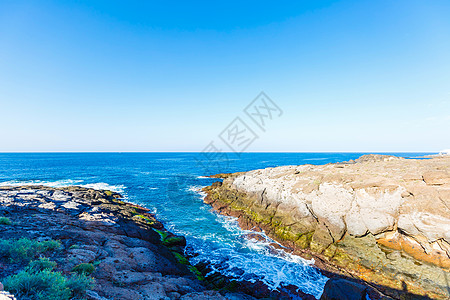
(128, 255)
(380, 218)
(132, 255)
(340, 289)
(436, 177)
(210, 295)
(6, 296)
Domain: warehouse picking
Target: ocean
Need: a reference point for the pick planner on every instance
(169, 184)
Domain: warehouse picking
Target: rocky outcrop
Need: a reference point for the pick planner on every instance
(132, 255)
(339, 289)
(382, 219)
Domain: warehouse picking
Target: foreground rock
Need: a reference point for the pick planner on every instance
(134, 256)
(382, 219)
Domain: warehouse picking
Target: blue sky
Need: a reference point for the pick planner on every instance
(152, 76)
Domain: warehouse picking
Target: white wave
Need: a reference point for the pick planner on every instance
(197, 189)
(250, 255)
(202, 177)
(105, 186)
(57, 183)
(153, 188)
(66, 182)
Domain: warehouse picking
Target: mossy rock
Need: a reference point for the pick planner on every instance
(109, 193)
(163, 234)
(196, 272)
(175, 241)
(304, 240)
(84, 268)
(180, 258)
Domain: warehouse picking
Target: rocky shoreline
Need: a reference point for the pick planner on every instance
(381, 220)
(125, 251)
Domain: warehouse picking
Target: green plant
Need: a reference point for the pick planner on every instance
(5, 221)
(25, 249)
(43, 263)
(96, 263)
(79, 283)
(84, 268)
(46, 285)
(38, 285)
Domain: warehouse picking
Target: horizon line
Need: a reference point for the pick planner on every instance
(396, 151)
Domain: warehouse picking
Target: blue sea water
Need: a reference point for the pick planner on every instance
(169, 184)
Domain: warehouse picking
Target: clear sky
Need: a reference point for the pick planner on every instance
(171, 75)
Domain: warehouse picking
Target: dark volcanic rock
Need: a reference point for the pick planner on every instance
(134, 257)
(341, 289)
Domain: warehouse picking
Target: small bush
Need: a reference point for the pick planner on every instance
(5, 221)
(43, 263)
(84, 268)
(38, 285)
(79, 283)
(46, 285)
(25, 249)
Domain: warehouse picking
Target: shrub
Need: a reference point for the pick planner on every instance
(25, 249)
(5, 221)
(46, 285)
(38, 285)
(79, 283)
(84, 268)
(43, 263)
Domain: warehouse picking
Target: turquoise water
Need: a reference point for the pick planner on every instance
(169, 184)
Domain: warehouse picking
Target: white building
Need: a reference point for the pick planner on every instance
(445, 152)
